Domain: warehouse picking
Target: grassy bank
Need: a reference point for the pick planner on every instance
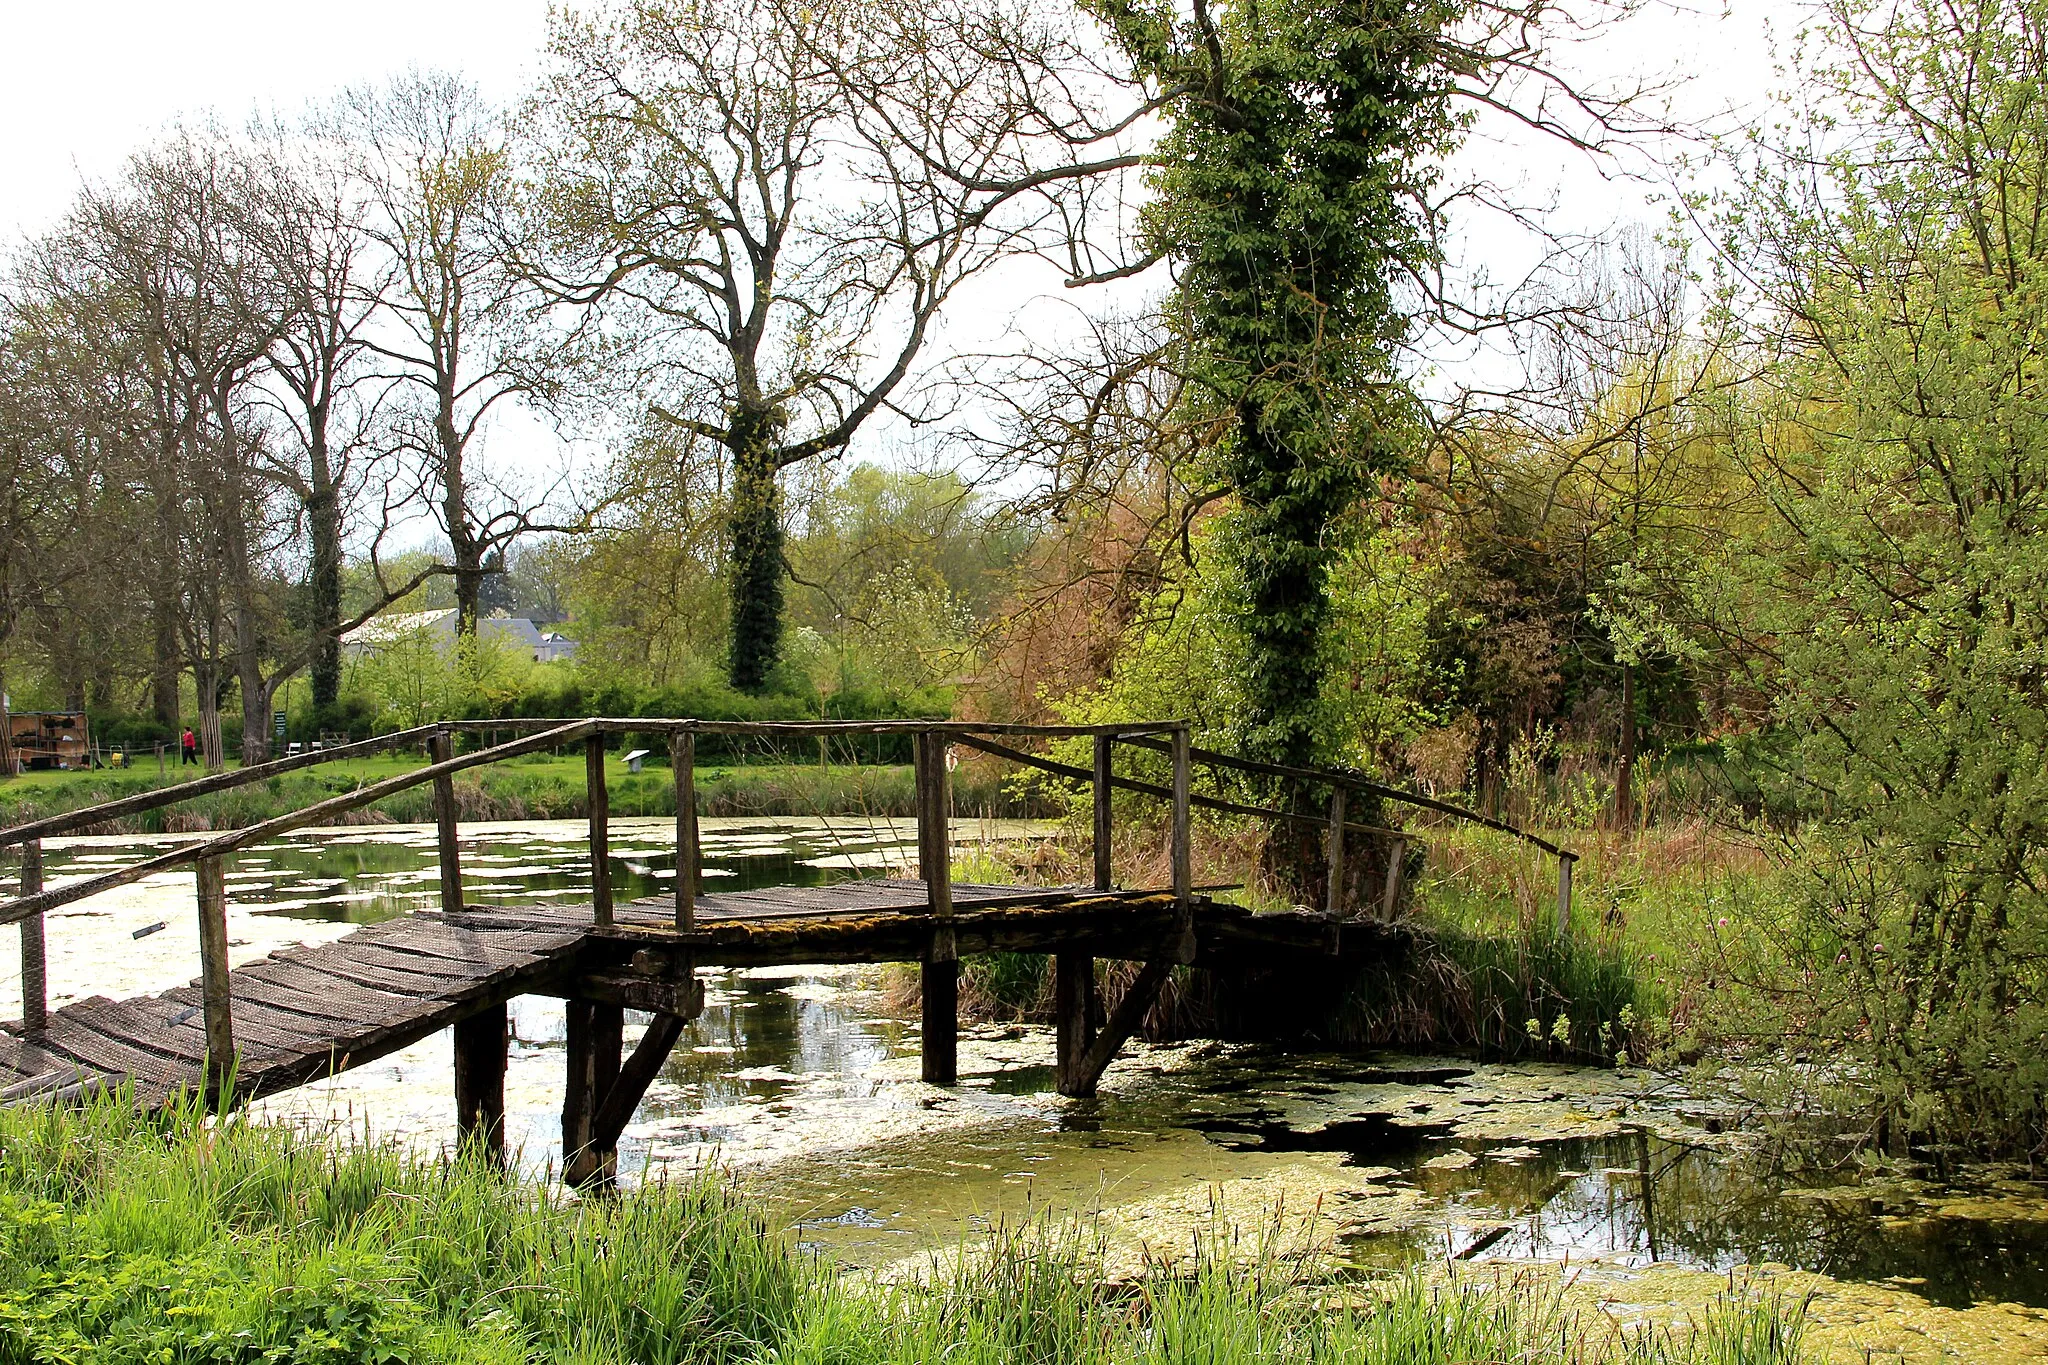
(537, 787)
(125, 1239)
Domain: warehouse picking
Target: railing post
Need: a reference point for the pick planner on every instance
(1564, 892)
(1183, 838)
(941, 968)
(1334, 897)
(1396, 856)
(35, 982)
(1104, 814)
(599, 802)
(213, 973)
(441, 748)
(682, 757)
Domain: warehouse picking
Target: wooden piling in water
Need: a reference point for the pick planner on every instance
(597, 798)
(480, 1050)
(1333, 899)
(941, 967)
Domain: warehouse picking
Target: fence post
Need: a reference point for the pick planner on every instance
(1334, 899)
(1103, 812)
(1183, 839)
(213, 973)
(682, 757)
(1564, 892)
(35, 985)
(599, 801)
(441, 748)
(1392, 898)
(941, 968)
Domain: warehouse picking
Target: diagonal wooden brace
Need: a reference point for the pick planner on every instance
(1079, 1080)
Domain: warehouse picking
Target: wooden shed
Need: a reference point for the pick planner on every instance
(49, 739)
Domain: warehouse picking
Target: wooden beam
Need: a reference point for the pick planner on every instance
(1122, 1023)
(1105, 777)
(481, 1041)
(447, 831)
(682, 757)
(211, 881)
(35, 974)
(941, 1021)
(598, 801)
(1073, 1017)
(683, 998)
(1334, 898)
(630, 1086)
(1396, 856)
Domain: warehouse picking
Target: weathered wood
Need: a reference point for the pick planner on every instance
(1564, 893)
(211, 880)
(598, 801)
(941, 1022)
(84, 818)
(630, 1086)
(1129, 784)
(1104, 815)
(1123, 1021)
(1334, 900)
(1210, 758)
(35, 978)
(481, 1042)
(1397, 856)
(640, 725)
(1183, 850)
(684, 998)
(579, 1094)
(446, 828)
(319, 813)
(1073, 1016)
(682, 752)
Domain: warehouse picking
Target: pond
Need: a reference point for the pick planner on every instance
(803, 1080)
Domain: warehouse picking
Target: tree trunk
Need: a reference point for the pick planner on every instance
(755, 567)
(206, 681)
(165, 670)
(323, 518)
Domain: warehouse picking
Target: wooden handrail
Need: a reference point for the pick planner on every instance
(317, 813)
(159, 797)
(1338, 777)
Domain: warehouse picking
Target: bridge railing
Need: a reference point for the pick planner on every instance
(930, 742)
(934, 805)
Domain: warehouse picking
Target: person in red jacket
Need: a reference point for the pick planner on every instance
(191, 747)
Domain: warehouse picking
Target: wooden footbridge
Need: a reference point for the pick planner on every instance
(308, 1012)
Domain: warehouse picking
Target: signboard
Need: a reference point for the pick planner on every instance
(277, 723)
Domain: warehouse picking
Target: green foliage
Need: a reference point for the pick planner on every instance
(1905, 580)
(1285, 193)
(134, 1240)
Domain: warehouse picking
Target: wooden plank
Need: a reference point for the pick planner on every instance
(419, 985)
(35, 976)
(320, 998)
(312, 1032)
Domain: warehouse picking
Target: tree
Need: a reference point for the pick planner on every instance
(459, 328)
(1897, 600)
(782, 198)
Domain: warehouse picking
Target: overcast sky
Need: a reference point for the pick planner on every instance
(89, 82)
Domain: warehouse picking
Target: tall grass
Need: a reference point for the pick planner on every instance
(185, 1237)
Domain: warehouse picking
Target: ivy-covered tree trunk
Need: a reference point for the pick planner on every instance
(1286, 198)
(323, 519)
(755, 568)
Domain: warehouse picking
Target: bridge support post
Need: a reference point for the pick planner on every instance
(35, 986)
(1334, 899)
(211, 881)
(447, 830)
(941, 969)
(594, 1041)
(480, 1044)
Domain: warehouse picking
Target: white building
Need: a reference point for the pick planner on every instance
(543, 646)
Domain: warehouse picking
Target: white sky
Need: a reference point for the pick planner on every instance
(87, 83)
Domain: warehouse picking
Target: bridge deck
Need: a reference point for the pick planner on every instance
(307, 1012)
